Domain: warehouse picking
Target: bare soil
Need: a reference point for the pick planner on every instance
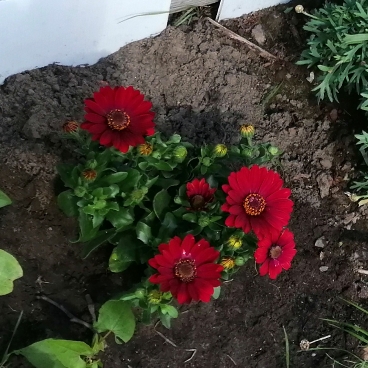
(203, 85)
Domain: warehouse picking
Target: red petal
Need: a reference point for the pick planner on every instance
(153, 263)
(92, 105)
(183, 296)
(206, 256)
(174, 286)
(94, 118)
(261, 254)
(193, 292)
(208, 271)
(188, 243)
(236, 210)
(274, 269)
(204, 288)
(230, 221)
(263, 270)
(226, 188)
(279, 194)
(199, 247)
(101, 100)
(94, 128)
(163, 261)
(106, 138)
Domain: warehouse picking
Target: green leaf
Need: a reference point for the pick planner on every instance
(160, 203)
(191, 217)
(115, 178)
(125, 253)
(116, 316)
(10, 270)
(4, 199)
(67, 202)
(216, 292)
(87, 231)
(165, 320)
(120, 219)
(131, 180)
(68, 174)
(143, 232)
(163, 166)
(101, 237)
(167, 183)
(170, 310)
(52, 353)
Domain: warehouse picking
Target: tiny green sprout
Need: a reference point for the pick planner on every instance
(240, 261)
(180, 153)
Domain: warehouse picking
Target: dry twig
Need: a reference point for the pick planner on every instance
(251, 45)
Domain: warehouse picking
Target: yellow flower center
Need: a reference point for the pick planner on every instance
(254, 204)
(118, 119)
(185, 270)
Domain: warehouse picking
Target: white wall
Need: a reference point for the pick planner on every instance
(35, 33)
(237, 8)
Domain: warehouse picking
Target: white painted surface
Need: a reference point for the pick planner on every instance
(179, 5)
(237, 8)
(35, 33)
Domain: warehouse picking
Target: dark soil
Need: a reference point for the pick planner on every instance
(203, 85)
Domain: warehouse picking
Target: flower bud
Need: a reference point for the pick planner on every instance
(145, 149)
(206, 161)
(235, 242)
(180, 153)
(220, 150)
(92, 164)
(228, 263)
(247, 152)
(154, 297)
(70, 126)
(89, 174)
(274, 151)
(239, 261)
(247, 131)
(137, 195)
(299, 9)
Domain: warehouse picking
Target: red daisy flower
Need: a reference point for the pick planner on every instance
(199, 194)
(118, 117)
(187, 269)
(256, 201)
(275, 253)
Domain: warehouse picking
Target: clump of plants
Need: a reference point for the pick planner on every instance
(192, 215)
(338, 46)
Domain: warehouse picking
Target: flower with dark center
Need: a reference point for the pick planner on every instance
(275, 252)
(186, 268)
(70, 126)
(89, 174)
(145, 149)
(199, 194)
(118, 117)
(257, 201)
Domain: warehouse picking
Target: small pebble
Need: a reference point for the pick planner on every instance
(320, 242)
(323, 268)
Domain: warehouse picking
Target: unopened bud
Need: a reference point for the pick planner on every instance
(220, 150)
(180, 153)
(299, 9)
(247, 131)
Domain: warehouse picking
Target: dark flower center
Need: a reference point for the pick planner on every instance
(185, 270)
(197, 202)
(275, 251)
(118, 119)
(254, 204)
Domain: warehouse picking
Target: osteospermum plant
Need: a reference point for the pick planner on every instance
(192, 215)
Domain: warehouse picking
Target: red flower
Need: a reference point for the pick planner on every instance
(199, 194)
(118, 117)
(256, 201)
(186, 269)
(275, 253)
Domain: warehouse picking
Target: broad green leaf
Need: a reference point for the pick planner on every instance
(143, 232)
(130, 181)
(163, 166)
(170, 310)
(67, 202)
(4, 199)
(101, 237)
(52, 353)
(115, 178)
(10, 270)
(87, 231)
(68, 175)
(120, 219)
(116, 316)
(160, 203)
(191, 217)
(125, 253)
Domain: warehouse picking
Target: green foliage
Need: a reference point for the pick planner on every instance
(52, 353)
(338, 46)
(117, 317)
(4, 199)
(10, 270)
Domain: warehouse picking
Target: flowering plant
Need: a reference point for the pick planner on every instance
(194, 215)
